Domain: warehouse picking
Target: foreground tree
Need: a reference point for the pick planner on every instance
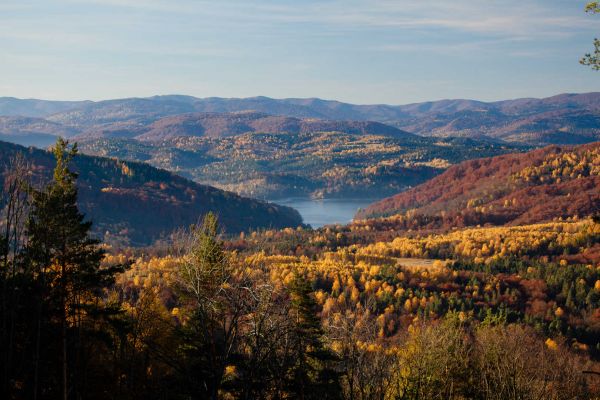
(65, 263)
(365, 362)
(312, 375)
(511, 363)
(434, 363)
(211, 332)
(14, 202)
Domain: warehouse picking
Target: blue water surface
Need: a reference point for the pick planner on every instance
(320, 212)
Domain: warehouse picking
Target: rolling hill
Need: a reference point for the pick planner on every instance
(231, 124)
(152, 128)
(11, 106)
(542, 185)
(136, 204)
(319, 164)
(266, 156)
(561, 119)
(28, 131)
(563, 126)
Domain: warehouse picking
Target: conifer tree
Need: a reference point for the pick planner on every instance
(312, 375)
(67, 260)
(211, 332)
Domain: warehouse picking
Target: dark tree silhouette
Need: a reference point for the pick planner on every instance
(65, 261)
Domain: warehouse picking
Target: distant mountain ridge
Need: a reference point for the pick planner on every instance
(134, 203)
(295, 107)
(532, 121)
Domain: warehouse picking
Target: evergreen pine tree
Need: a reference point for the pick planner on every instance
(210, 334)
(312, 374)
(67, 261)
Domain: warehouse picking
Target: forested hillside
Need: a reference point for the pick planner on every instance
(542, 185)
(378, 318)
(320, 164)
(232, 124)
(133, 203)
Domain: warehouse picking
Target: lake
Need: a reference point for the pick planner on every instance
(320, 212)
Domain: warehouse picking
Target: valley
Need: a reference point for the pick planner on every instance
(309, 148)
(390, 252)
(317, 165)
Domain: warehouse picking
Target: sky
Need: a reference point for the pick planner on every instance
(364, 52)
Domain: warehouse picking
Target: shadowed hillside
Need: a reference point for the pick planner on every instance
(135, 203)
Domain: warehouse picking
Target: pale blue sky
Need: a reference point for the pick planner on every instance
(357, 51)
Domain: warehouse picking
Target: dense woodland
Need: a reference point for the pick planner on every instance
(348, 312)
(316, 164)
(522, 188)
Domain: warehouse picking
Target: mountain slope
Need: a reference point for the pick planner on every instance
(10, 106)
(137, 204)
(32, 131)
(231, 124)
(320, 164)
(553, 182)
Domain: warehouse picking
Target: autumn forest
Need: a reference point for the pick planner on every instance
(398, 307)
(433, 233)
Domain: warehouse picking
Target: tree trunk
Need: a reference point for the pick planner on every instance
(64, 335)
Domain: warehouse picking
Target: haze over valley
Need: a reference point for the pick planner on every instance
(302, 148)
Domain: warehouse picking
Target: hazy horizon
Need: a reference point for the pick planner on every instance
(293, 98)
(356, 51)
